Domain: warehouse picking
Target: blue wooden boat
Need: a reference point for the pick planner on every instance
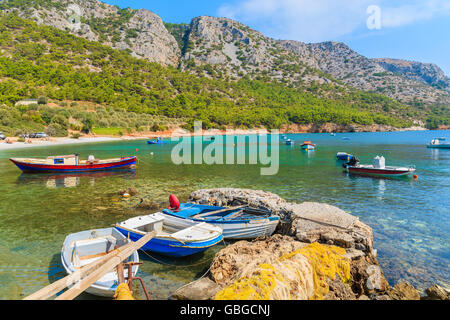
(171, 240)
(344, 156)
(237, 223)
(83, 248)
(289, 142)
(157, 141)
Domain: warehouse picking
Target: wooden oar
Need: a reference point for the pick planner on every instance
(122, 253)
(218, 211)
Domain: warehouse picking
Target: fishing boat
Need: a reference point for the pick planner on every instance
(378, 168)
(437, 143)
(157, 141)
(289, 142)
(72, 163)
(171, 240)
(82, 248)
(344, 156)
(237, 223)
(307, 145)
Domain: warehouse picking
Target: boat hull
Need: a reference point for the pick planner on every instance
(344, 156)
(439, 146)
(380, 172)
(169, 247)
(29, 167)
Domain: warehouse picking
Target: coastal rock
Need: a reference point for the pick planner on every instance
(202, 289)
(367, 277)
(339, 291)
(436, 292)
(404, 291)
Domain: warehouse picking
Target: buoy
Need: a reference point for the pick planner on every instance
(174, 202)
(416, 176)
(126, 195)
(151, 153)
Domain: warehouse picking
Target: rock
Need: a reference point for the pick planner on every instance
(148, 205)
(126, 195)
(340, 239)
(132, 191)
(404, 291)
(339, 291)
(367, 277)
(202, 289)
(363, 297)
(436, 292)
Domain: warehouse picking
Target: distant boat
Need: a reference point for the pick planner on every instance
(283, 137)
(437, 143)
(85, 247)
(157, 141)
(72, 163)
(333, 134)
(378, 168)
(171, 239)
(344, 156)
(307, 145)
(237, 223)
(345, 138)
(289, 142)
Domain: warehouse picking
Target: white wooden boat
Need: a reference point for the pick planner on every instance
(85, 247)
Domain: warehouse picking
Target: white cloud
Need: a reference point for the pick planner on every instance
(321, 20)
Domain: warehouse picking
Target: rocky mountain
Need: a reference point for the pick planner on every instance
(140, 31)
(428, 73)
(226, 49)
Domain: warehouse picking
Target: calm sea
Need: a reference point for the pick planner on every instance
(410, 218)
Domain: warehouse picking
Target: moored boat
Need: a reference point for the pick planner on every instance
(344, 156)
(72, 163)
(157, 141)
(378, 168)
(437, 143)
(171, 239)
(289, 142)
(237, 223)
(307, 145)
(82, 248)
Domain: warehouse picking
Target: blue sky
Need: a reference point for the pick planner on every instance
(416, 30)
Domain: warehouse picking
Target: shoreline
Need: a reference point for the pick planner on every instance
(165, 134)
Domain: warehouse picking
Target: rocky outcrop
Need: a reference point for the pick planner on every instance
(404, 291)
(428, 73)
(436, 292)
(318, 252)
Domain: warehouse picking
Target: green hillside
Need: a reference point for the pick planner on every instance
(41, 61)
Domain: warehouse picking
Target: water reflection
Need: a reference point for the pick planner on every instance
(70, 180)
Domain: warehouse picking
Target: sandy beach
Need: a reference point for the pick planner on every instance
(54, 142)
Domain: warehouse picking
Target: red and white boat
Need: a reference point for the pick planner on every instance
(378, 168)
(307, 145)
(72, 163)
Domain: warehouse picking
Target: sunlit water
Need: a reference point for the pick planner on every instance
(410, 218)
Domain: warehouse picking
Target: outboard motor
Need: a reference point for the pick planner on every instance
(352, 163)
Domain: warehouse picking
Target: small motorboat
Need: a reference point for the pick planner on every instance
(307, 145)
(344, 156)
(157, 141)
(72, 163)
(82, 248)
(237, 223)
(333, 134)
(346, 138)
(171, 239)
(378, 168)
(289, 142)
(438, 143)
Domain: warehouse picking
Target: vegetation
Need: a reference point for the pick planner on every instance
(70, 74)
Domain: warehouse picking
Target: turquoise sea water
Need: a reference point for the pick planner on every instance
(410, 218)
